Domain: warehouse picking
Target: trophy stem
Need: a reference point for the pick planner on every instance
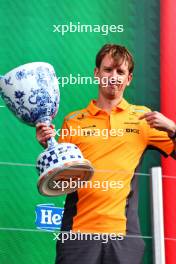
(51, 143)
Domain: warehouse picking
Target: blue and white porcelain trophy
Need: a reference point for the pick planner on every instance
(31, 92)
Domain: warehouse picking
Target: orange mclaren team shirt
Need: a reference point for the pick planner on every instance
(114, 143)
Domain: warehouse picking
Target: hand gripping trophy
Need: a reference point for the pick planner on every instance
(31, 92)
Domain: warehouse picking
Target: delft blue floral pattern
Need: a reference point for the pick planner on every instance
(19, 94)
(43, 101)
(20, 75)
(8, 81)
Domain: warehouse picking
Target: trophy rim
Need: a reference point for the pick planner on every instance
(46, 177)
(24, 65)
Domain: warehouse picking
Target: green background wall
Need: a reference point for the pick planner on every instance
(27, 35)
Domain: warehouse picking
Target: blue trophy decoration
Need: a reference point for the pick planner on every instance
(31, 92)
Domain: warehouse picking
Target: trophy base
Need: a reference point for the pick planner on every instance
(65, 179)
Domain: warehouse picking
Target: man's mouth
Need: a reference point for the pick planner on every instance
(113, 85)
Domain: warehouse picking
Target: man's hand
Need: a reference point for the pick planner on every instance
(44, 132)
(160, 122)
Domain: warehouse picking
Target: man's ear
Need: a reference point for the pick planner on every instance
(130, 77)
(96, 71)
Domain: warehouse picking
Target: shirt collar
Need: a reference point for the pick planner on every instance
(93, 109)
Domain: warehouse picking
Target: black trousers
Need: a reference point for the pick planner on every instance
(130, 250)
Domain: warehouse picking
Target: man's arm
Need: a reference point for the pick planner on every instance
(45, 132)
(160, 122)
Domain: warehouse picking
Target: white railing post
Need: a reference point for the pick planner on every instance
(157, 215)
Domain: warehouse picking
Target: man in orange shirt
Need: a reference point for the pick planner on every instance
(115, 155)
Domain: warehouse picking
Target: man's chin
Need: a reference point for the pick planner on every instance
(114, 95)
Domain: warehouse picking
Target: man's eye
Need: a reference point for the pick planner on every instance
(108, 69)
(120, 72)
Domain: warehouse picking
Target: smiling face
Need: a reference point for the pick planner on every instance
(113, 76)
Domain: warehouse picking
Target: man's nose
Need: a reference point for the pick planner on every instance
(114, 74)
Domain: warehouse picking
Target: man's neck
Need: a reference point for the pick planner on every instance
(107, 104)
